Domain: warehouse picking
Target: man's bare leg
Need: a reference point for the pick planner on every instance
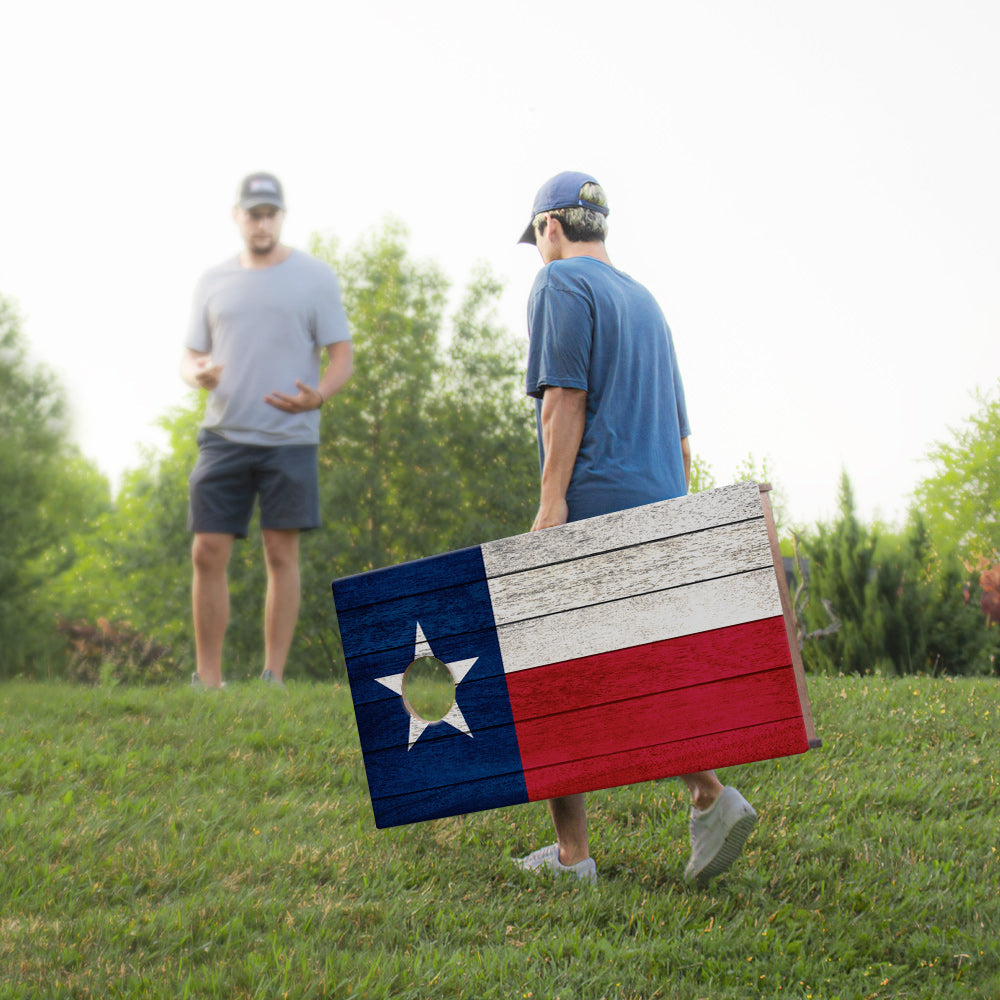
(210, 602)
(704, 787)
(569, 817)
(284, 590)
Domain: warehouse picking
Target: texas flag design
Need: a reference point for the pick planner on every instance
(644, 644)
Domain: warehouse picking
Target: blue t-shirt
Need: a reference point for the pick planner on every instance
(594, 328)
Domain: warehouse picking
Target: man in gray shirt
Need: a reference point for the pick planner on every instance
(259, 324)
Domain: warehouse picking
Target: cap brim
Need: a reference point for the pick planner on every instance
(249, 203)
(528, 236)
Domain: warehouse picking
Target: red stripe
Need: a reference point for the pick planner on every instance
(629, 713)
(704, 753)
(648, 669)
(637, 723)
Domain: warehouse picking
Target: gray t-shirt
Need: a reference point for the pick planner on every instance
(266, 327)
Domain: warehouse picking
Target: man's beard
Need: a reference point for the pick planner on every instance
(263, 249)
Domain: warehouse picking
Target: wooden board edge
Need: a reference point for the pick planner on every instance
(530, 550)
(789, 614)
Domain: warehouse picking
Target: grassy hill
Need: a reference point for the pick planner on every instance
(173, 843)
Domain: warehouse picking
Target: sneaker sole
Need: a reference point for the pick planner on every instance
(732, 848)
(545, 867)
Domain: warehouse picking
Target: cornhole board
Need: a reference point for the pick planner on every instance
(644, 644)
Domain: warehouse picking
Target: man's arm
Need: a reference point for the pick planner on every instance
(198, 371)
(564, 417)
(340, 366)
(686, 455)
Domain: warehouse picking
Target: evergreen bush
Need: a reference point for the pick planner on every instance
(902, 607)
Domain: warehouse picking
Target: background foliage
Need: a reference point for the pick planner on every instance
(902, 606)
(961, 498)
(429, 448)
(48, 491)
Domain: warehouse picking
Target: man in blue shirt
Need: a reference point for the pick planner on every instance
(612, 434)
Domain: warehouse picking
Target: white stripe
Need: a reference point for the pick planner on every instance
(629, 572)
(726, 505)
(634, 621)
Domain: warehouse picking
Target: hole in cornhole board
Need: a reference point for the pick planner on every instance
(428, 689)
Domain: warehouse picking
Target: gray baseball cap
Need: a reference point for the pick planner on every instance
(261, 189)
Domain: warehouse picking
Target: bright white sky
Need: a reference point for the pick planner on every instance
(812, 191)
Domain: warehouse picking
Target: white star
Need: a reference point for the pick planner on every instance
(458, 670)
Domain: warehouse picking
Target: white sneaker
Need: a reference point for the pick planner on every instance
(548, 858)
(196, 682)
(718, 835)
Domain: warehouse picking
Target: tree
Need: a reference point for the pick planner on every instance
(702, 476)
(428, 448)
(763, 473)
(899, 606)
(961, 501)
(134, 567)
(49, 492)
(489, 423)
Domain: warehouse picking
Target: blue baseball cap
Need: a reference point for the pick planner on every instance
(561, 191)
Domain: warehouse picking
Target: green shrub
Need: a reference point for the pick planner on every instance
(899, 604)
(115, 652)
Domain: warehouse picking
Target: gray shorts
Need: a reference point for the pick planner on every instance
(228, 476)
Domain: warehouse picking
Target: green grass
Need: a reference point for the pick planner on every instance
(172, 843)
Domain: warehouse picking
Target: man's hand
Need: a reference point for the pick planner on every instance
(206, 373)
(306, 399)
(551, 514)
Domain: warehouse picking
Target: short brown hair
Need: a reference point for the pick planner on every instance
(580, 224)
